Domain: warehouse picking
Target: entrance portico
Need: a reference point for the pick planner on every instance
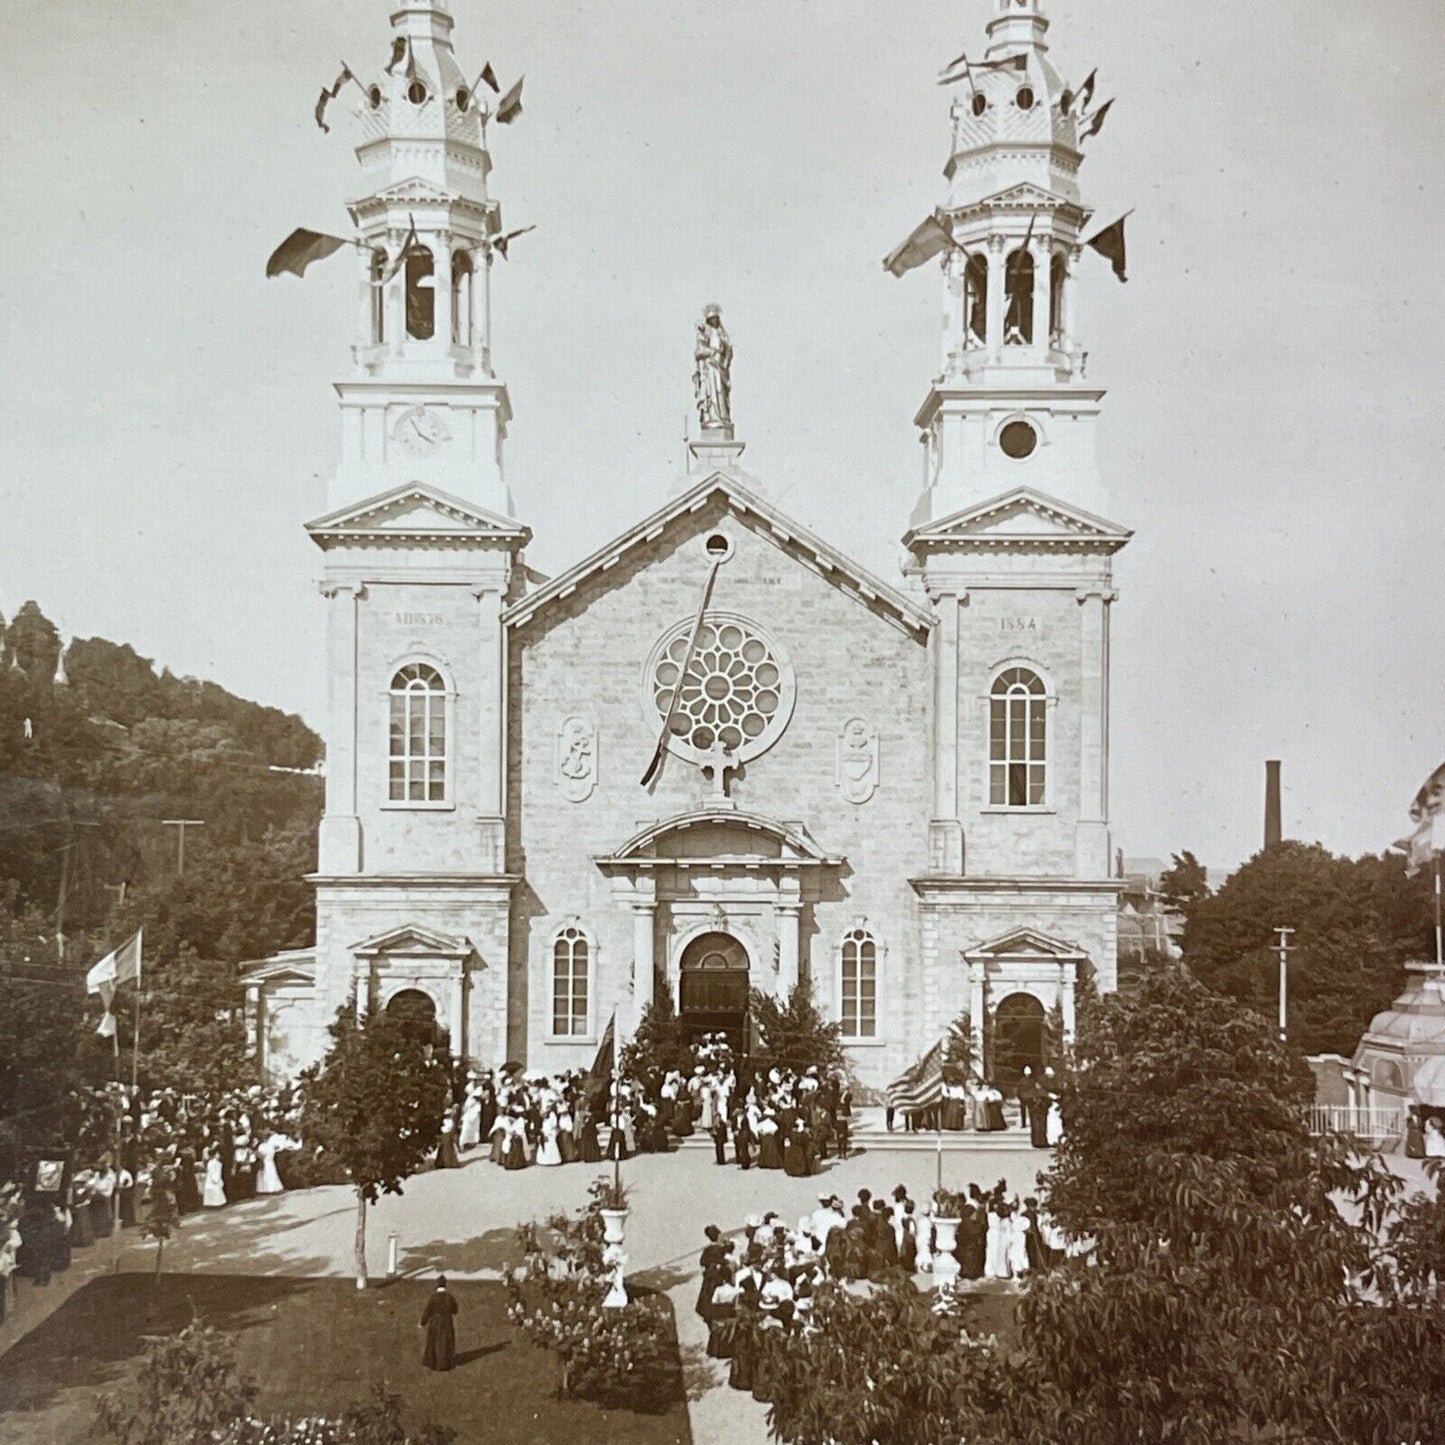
(717, 872)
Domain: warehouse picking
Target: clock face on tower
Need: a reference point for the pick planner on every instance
(420, 431)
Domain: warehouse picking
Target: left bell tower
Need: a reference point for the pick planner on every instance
(422, 401)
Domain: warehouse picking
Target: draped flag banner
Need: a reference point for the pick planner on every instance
(1085, 96)
(929, 239)
(399, 260)
(922, 1086)
(500, 243)
(599, 1076)
(1096, 121)
(1430, 800)
(510, 105)
(116, 968)
(1418, 847)
(398, 53)
(300, 249)
(1110, 244)
(329, 94)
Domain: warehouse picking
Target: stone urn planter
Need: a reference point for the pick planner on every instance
(945, 1263)
(614, 1225)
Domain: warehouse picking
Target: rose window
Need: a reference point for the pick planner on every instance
(737, 689)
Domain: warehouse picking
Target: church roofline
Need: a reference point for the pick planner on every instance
(347, 524)
(823, 556)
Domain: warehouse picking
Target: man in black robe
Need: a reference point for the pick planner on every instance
(719, 1133)
(438, 1320)
(1035, 1106)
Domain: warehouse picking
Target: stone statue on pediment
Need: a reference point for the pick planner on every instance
(712, 376)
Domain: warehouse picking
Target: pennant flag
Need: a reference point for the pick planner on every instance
(920, 1086)
(488, 77)
(955, 63)
(330, 94)
(1430, 800)
(399, 48)
(300, 249)
(500, 243)
(399, 260)
(1109, 243)
(1086, 90)
(929, 239)
(121, 966)
(1096, 121)
(1419, 847)
(510, 105)
(599, 1076)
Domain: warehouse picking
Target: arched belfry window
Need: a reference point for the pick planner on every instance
(420, 293)
(1017, 739)
(975, 301)
(378, 297)
(858, 984)
(462, 282)
(571, 965)
(418, 752)
(1058, 270)
(1018, 321)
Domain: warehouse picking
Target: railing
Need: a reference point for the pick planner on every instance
(1376, 1125)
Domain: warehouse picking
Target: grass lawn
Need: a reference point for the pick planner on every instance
(313, 1346)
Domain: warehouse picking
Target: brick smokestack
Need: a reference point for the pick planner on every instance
(1272, 830)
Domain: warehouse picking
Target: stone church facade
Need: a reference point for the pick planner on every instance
(895, 790)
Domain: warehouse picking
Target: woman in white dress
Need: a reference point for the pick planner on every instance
(213, 1191)
(1017, 1223)
(471, 1134)
(548, 1151)
(1434, 1138)
(1054, 1124)
(925, 1239)
(269, 1181)
(995, 1253)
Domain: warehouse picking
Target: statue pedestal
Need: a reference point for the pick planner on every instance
(714, 451)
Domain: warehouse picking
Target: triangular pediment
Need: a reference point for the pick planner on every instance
(1023, 516)
(720, 833)
(415, 512)
(415, 188)
(415, 940)
(297, 965)
(1025, 943)
(791, 537)
(1025, 196)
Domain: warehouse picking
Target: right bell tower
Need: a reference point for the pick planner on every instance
(1010, 405)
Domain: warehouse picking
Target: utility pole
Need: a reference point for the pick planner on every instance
(1283, 945)
(180, 825)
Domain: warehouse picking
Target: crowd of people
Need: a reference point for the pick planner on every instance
(766, 1282)
(979, 1104)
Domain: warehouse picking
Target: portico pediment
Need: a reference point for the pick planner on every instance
(1021, 518)
(1024, 943)
(294, 966)
(413, 940)
(414, 512)
(714, 838)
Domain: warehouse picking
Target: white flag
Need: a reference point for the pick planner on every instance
(122, 966)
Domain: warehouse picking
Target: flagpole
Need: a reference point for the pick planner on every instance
(135, 1035)
(1439, 936)
(115, 1196)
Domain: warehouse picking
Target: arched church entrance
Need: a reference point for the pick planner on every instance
(1020, 1038)
(417, 1013)
(713, 989)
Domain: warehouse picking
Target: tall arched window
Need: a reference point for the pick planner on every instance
(571, 955)
(1058, 270)
(858, 991)
(378, 297)
(1018, 278)
(462, 283)
(1017, 746)
(421, 298)
(975, 301)
(418, 735)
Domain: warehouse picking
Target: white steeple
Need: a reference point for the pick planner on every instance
(423, 402)
(1009, 406)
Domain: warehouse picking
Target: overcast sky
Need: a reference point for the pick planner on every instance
(1271, 434)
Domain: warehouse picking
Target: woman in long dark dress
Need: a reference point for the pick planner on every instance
(438, 1320)
(714, 1269)
(972, 1244)
(589, 1147)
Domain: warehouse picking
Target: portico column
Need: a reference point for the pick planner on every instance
(253, 1023)
(455, 1020)
(363, 989)
(790, 919)
(644, 948)
(976, 1007)
(1067, 974)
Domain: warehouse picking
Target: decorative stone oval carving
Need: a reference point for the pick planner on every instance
(577, 758)
(856, 769)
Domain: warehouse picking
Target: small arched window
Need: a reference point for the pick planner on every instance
(418, 754)
(571, 956)
(420, 293)
(975, 300)
(858, 986)
(462, 283)
(378, 297)
(1058, 270)
(1018, 321)
(1017, 743)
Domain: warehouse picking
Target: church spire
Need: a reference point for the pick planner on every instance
(1017, 25)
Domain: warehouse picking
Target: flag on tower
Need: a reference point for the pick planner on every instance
(1418, 847)
(329, 94)
(488, 77)
(300, 249)
(500, 243)
(929, 239)
(1430, 800)
(399, 48)
(399, 260)
(510, 105)
(1110, 244)
(118, 967)
(1096, 121)
(1085, 95)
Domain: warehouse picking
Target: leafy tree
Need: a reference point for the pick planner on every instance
(659, 1044)
(1188, 1163)
(375, 1104)
(1185, 882)
(1357, 922)
(34, 642)
(793, 1034)
(958, 1051)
